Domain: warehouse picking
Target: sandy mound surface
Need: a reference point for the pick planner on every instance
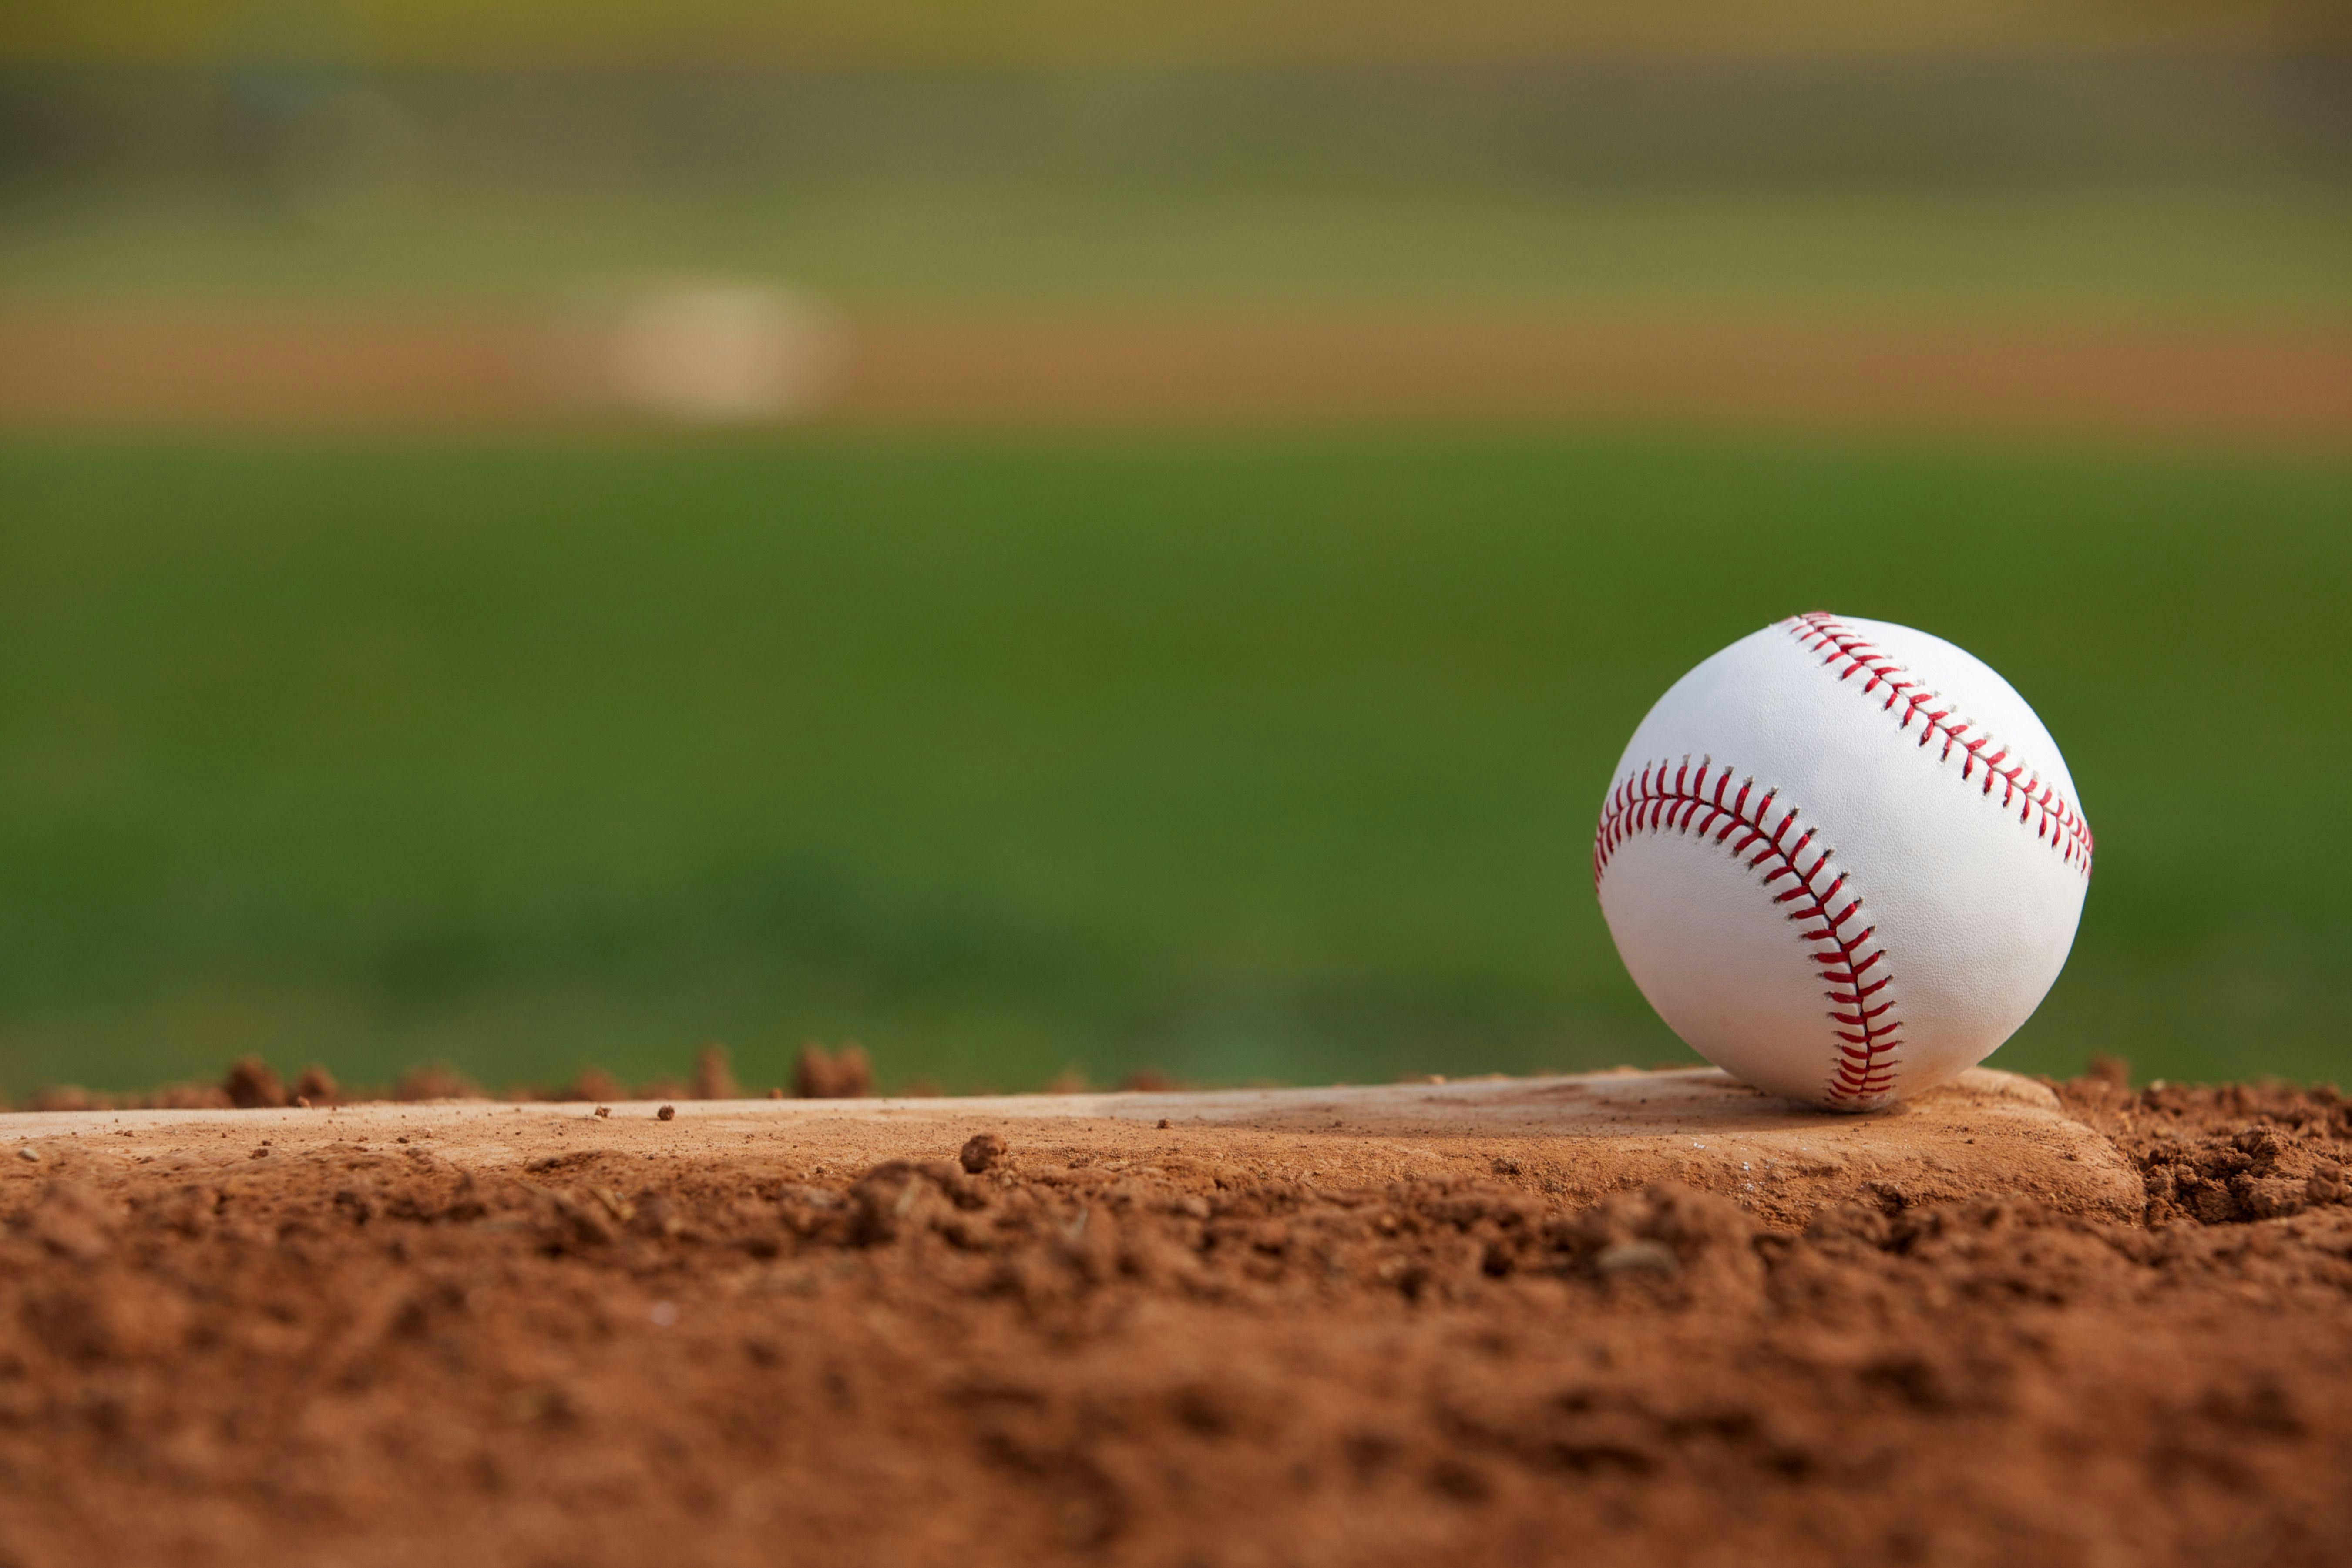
(1466, 1324)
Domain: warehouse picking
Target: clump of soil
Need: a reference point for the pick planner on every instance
(820, 1074)
(253, 1084)
(714, 1074)
(1020, 1352)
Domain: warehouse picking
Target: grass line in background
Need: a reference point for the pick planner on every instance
(2258, 250)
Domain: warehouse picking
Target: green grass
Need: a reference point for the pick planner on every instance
(2255, 251)
(1245, 757)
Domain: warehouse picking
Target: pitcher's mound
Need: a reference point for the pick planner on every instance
(1613, 1318)
(1992, 1134)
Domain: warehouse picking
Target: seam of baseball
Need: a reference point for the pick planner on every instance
(1862, 1014)
(2053, 817)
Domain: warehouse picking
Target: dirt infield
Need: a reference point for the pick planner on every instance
(1503, 1322)
(2287, 386)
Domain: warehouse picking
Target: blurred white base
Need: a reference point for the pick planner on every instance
(705, 352)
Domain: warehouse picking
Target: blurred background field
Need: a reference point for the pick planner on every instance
(2124, 187)
(1260, 739)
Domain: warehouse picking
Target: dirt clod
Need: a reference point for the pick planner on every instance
(845, 1074)
(714, 1075)
(2325, 1184)
(667, 1113)
(981, 1152)
(251, 1085)
(316, 1086)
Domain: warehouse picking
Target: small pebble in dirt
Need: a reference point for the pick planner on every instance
(262, 1153)
(1636, 1258)
(980, 1151)
(603, 1111)
(1163, 1123)
(667, 1113)
(26, 1152)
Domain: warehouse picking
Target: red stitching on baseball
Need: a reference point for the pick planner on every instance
(2040, 806)
(1666, 796)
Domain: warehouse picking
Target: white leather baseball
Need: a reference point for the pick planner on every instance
(1843, 859)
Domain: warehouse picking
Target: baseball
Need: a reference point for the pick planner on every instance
(1843, 859)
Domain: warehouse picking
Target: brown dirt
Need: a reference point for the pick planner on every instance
(2288, 385)
(252, 1084)
(1466, 1324)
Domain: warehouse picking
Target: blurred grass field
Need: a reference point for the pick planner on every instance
(1246, 757)
(1269, 753)
(2137, 187)
(2199, 254)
